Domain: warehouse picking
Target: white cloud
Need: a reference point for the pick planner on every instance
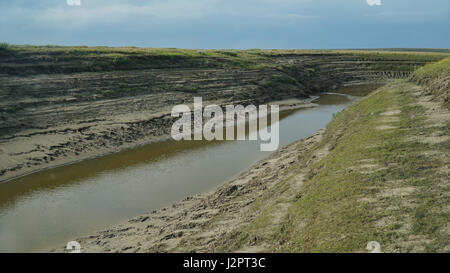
(73, 2)
(374, 2)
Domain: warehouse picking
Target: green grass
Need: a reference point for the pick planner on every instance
(436, 77)
(170, 53)
(430, 72)
(119, 60)
(340, 208)
(333, 217)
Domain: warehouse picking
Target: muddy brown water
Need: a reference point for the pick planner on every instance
(51, 207)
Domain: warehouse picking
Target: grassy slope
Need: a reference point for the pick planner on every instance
(436, 77)
(382, 184)
(396, 201)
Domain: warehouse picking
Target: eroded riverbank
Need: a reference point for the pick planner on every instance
(152, 176)
(60, 105)
(379, 171)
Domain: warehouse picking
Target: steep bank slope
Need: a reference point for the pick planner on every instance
(379, 172)
(63, 104)
(436, 79)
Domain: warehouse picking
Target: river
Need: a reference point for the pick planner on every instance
(51, 207)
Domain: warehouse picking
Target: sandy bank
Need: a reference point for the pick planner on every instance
(198, 222)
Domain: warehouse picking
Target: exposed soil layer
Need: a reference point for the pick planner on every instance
(60, 106)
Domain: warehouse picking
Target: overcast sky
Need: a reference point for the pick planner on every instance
(228, 23)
